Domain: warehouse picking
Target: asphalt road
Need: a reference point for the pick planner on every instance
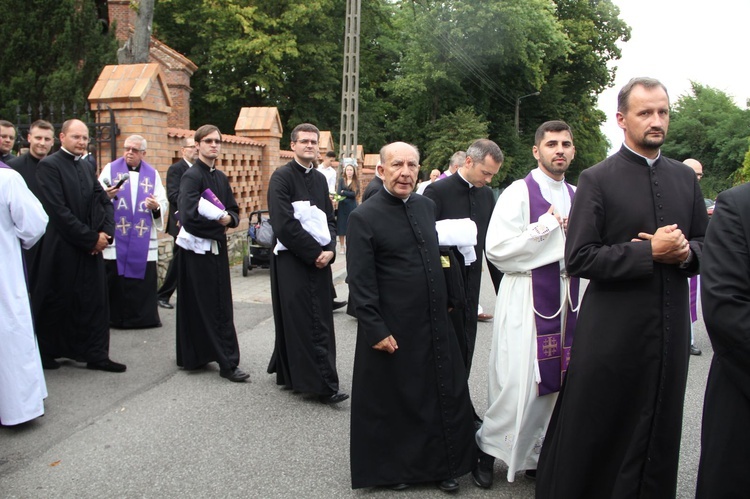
(157, 431)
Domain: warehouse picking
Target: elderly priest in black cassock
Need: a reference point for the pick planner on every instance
(412, 420)
(205, 317)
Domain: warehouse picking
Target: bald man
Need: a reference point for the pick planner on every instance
(694, 350)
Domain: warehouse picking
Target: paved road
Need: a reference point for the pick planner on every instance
(156, 431)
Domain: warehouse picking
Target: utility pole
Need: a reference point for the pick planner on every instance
(350, 83)
(518, 105)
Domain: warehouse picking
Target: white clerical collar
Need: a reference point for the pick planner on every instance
(402, 199)
(307, 169)
(648, 160)
(540, 176)
(76, 158)
(188, 163)
(462, 178)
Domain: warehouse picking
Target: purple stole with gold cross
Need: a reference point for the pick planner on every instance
(553, 341)
(132, 223)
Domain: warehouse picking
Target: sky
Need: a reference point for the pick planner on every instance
(679, 41)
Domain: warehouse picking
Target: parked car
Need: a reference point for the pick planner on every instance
(709, 206)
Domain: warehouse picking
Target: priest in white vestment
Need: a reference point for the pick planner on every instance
(22, 223)
(527, 233)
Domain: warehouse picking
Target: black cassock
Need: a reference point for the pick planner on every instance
(615, 430)
(69, 298)
(725, 294)
(454, 199)
(372, 188)
(205, 317)
(26, 165)
(304, 356)
(412, 419)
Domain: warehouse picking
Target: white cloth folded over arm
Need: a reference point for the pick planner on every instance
(459, 232)
(313, 220)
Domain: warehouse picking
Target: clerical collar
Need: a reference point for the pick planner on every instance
(136, 169)
(540, 176)
(462, 177)
(75, 158)
(390, 193)
(648, 160)
(188, 163)
(307, 169)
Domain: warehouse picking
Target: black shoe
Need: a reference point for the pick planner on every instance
(107, 365)
(338, 304)
(49, 363)
(165, 304)
(449, 485)
(399, 486)
(333, 399)
(237, 375)
(530, 474)
(483, 471)
(694, 350)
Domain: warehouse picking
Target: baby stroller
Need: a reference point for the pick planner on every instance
(259, 241)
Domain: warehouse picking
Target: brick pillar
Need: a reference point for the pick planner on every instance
(263, 125)
(139, 96)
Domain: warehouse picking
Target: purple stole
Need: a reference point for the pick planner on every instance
(212, 198)
(553, 345)
(694, 298)
(132, 224)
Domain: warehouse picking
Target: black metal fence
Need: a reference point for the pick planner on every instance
(101, 122)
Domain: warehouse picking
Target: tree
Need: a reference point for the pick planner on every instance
(707, 125)
(136, 48)
(56, 59)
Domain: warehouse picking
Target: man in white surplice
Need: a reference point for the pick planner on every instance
(22, 223)
(526, 232)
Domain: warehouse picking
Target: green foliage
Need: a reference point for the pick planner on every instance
(708, 126)
(438, 74)
(53, 52)
(452, 132)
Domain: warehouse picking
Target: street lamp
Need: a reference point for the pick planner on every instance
(518, 104)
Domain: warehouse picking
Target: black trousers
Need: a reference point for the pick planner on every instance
(170, 280)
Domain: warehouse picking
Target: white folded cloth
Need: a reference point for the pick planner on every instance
(313, 220)
(459, 232)
(209, 210)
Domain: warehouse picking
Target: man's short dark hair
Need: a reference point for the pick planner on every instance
(551, 126)
(304, 127)
(482, 148)
(331, 154)
(43, 124)
(623, 97)
(7, 124)
(204, 131)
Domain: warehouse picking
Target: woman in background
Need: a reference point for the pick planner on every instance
(348, 188)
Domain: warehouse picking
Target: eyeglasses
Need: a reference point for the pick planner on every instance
(211, 141)
(189, 147)
(134, 150)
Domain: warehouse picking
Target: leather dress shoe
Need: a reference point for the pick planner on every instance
(449, 485)
(338, 304)
(49, 363)
(165, 304)
(399, 486)
(237, 375)
(483, 471)
(107, 365)
(694, 350)
(485, 317)
(530, 474)
(333, 399)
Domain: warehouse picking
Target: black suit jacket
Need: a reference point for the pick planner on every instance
(372, 188)
(174, 175)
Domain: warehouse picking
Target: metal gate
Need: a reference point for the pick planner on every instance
(103, 128)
